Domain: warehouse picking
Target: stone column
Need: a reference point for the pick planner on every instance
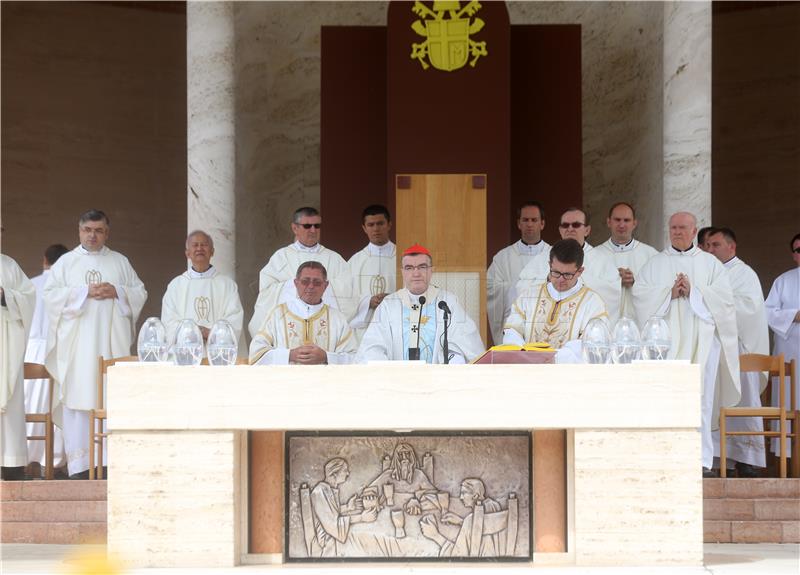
(687, 110)
(211, 202)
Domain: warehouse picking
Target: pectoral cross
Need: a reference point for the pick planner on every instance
(414, 329)
(415, 307)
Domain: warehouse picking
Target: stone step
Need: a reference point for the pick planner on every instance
(751, 509)
(762, 488)
(751, 531)
(56, 490)
(60, 533)
(52, 511)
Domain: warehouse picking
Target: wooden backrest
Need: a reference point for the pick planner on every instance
(35, 371)
(774, 365)
(791, 372)
(102, 366)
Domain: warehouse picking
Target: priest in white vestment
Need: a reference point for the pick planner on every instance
(409, 324)
(275, 281)
(507, 264)
(37, 391)
(93, 299)
(305, 330)
(783, 316)
(17, 302)
(691, 290)
(372, 269)
(618, 261)
(559, 311)
(745, 452)
(574, 224)
(201, 293)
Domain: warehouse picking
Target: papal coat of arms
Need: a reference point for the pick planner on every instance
(448, 44)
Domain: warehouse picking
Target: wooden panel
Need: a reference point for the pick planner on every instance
(549, 491)
(266, 492)
(447, 215)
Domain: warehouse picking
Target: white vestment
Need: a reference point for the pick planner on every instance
(783, 303)
(276, 285)
(384, 337)
(702, 326)
(604, 264)
(82, 329)
(552, 316)
(15, 323)
(37, 391)
(373, 271)
(204, 297)
(751, 322)
(502, 276)
(296, 323)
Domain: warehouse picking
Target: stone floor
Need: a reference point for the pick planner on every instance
(720, 559)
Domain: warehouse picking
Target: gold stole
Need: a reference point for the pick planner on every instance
(314, 330)
(553, 320)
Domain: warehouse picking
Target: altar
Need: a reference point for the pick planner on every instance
(179, 493)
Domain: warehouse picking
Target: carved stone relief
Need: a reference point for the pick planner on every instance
(461, 496)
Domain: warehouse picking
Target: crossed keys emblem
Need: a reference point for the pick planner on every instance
(93, 277)
(202, 307)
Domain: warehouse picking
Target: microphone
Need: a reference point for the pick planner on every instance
(445, 308)
(413, 352)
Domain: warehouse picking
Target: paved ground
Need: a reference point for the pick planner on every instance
(720, 559)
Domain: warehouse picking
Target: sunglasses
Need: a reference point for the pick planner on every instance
(309, 226)
(796, 251)
(566, 225)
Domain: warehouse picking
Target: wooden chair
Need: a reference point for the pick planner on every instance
(97, 416)
(38, 371)
(775, 366)
(502, 523)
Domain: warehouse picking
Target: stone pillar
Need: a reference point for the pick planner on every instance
(211, 204)
(687, 110)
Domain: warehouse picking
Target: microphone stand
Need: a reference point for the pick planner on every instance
(446, 318)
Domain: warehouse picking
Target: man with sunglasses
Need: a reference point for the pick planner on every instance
(93, 298)
(691, 290)
(745, 453)
(618, 260)
(783, 316)
(560, 309)
(507, 264)
(304, 330)
(412, 318)
(275, 280)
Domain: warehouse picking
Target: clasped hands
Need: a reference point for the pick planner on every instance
(626, 276)
(103, 290)
(308, 354)
(681, 287)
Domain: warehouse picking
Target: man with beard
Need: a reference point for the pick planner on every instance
(405, 474)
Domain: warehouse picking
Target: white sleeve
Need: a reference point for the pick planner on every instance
(277, 356)
(699, 306)
(122, 298)
(75, 302)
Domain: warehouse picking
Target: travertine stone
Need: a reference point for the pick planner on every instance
(211, 128)
(405, 396)
(687, 110)
(173, 498)
(638, 497)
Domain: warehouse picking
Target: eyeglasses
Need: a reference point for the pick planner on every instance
(565, 275)
(796, 251)
(316, 282)
(420, 267)
(309, 226)
(93, 231)
(566, 225)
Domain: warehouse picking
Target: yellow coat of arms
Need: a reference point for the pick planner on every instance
(448, 44)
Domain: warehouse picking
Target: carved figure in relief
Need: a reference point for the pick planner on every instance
(473, 494)
(331, 518)
(406, 476)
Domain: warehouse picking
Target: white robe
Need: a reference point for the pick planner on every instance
(15, 322)
(296, 323)
(607, 258)
(275, 283)
(383, 339)
(81, 330)
(37, 391)
(373, 270)
(783, 303)
(702, 326)
(751, 322)
(552, 316)
(502, 276)
(204, 297)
